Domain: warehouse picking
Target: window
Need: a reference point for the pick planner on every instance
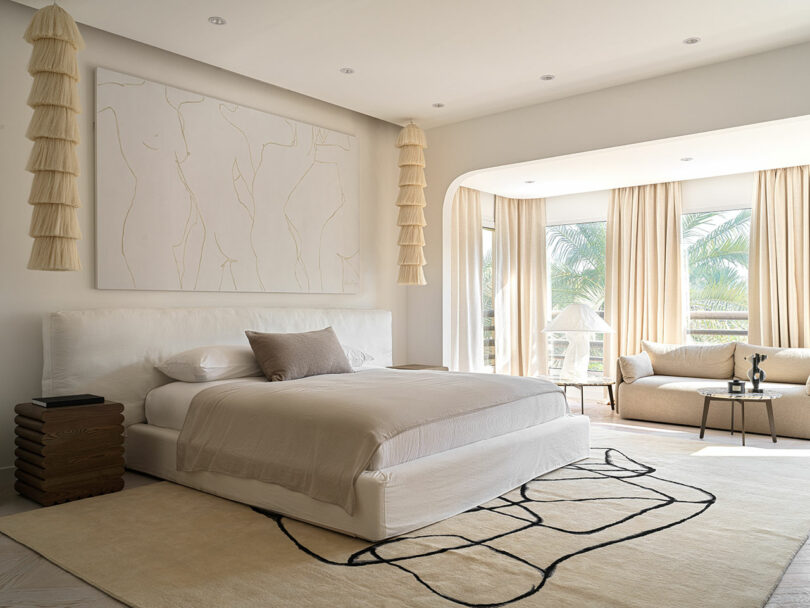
(715, 249)
(576, 258)
(715, 245)
(487, 303)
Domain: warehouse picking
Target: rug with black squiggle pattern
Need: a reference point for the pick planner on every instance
(656, 519)
(525, 536)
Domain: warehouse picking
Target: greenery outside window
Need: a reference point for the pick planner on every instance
(576, 254)
(715, 246)
(487, 302)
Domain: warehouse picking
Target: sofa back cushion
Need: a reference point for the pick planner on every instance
(634, 367)
(691, 360)
(782, 365)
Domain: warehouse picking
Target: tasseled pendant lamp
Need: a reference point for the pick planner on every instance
(411, 203)
(55, 133)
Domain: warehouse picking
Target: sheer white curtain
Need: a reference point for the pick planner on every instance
(466, 330)
(779, 260)
(520, 278)
(643, 292)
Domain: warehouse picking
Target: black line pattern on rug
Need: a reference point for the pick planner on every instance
(655, 494)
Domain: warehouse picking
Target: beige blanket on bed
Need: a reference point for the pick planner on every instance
(316, 435)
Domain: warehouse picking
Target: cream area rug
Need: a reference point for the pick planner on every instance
(645, 521)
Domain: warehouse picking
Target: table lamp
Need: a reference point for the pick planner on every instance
(578, 321)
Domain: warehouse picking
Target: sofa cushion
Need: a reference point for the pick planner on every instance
(782, 365)
(691, 360)
(675, 400)
(634, 367)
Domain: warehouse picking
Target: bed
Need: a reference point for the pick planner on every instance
(405, 485)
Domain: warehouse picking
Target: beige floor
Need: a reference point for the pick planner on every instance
(28, 580)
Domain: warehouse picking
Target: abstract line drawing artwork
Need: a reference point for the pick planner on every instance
(198, 194)
(529, 532)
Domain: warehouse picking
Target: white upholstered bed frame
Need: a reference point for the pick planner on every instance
(113, 352)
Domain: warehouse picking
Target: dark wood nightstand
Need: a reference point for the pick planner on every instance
(67, 453)
(419, 366)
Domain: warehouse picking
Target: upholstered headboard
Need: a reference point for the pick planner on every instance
(112, 352)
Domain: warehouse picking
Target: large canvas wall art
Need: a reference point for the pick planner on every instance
(198, 194)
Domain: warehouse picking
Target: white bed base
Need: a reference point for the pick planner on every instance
(389, 501)
(113, 352)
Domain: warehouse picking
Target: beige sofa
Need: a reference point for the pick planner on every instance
(670, 394)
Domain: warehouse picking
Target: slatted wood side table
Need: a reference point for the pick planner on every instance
(68, 453)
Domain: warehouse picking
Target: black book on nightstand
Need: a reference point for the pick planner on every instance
(67, 400)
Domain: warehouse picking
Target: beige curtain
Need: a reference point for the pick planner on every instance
(779, 261)
(466, 330)
(520, 277)
(643, 295)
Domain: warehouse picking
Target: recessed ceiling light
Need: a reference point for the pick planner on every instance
(438, 104)
(216, 20)
(686, 159)
(529, 181)
(691, 40)
(547, 77)
(347, 70)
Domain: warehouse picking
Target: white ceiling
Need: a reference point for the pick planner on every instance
(780, 143)
(475, 56)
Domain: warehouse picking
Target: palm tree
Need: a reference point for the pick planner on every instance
(717, 252)
(577, 256)
(717, 257)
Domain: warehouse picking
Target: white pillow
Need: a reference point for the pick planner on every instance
(807, 386)
(635, 366)
(208, 363)
(357, 358)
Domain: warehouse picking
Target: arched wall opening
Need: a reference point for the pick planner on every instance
(716, 166)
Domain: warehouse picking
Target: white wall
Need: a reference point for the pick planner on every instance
(577, 208)
(709, 194)
(25, 295)
(718, 193)
(743, 91)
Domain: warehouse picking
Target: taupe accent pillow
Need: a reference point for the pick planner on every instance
(635, 366)
(292, 356)
(791, 365)
(691, 360)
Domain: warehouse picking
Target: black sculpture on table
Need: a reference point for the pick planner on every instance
(756, 374)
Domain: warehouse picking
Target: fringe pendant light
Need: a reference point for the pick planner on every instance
(411, 201)
(55, 133)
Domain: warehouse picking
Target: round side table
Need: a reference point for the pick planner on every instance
(581, 383)
(718, 394)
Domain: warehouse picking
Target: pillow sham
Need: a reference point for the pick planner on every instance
(357, 358)
(207, 363)
(635, 366)
(292, 356)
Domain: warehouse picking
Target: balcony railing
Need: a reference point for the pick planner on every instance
(557, 346)
(719, 316)
(489, 338)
